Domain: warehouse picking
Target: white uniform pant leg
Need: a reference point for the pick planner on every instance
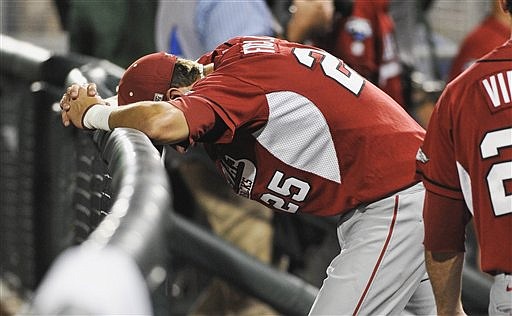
(500, 300)
(422, 301)
(381, 263)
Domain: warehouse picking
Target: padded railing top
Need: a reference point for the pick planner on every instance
(141, 197)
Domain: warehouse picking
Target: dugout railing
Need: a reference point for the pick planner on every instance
(57, 186)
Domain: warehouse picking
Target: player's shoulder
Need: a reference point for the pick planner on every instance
(485, 81)
(499, 55)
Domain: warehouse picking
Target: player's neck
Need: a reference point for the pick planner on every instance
(208, 69)
(503, 19)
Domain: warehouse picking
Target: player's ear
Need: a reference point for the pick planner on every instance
(173, 93)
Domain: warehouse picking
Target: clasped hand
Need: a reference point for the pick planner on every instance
(76, 101)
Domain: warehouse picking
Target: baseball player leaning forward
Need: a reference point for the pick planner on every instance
(296, 129)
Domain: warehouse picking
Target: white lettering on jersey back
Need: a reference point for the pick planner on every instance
(263, 45)
(491, 87)
(297, 134)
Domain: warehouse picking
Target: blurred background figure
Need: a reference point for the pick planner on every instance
(304, 21)
(490, 33)
(116, 30)
(418, 55)
(191, 28)
(366, 41)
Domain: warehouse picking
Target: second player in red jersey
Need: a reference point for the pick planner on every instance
(466, 166)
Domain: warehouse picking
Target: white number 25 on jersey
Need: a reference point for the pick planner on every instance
(283, 189)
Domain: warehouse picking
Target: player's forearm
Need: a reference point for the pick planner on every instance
(445, 272)
(160, 121)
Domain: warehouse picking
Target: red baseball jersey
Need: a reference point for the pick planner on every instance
(296, 129)
(467, 154)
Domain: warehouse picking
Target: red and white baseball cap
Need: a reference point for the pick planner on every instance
(147, 79)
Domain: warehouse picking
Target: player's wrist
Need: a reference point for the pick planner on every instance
(97, 117)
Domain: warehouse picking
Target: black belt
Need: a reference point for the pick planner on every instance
(496, 272)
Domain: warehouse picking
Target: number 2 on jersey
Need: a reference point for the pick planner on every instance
(499, 172)
(332, 67)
